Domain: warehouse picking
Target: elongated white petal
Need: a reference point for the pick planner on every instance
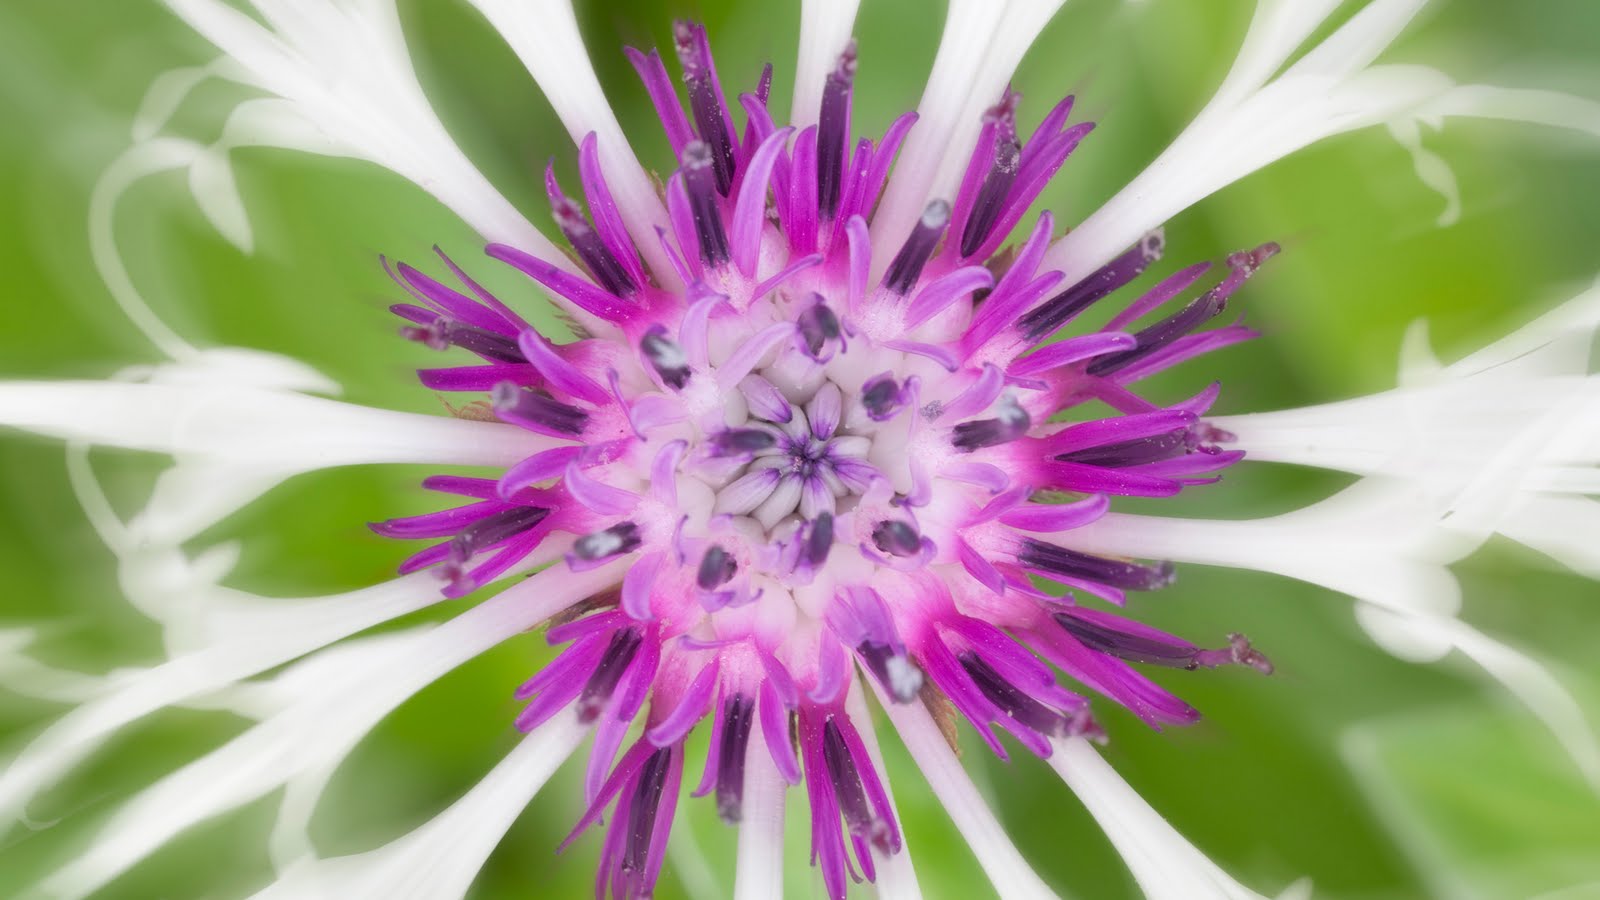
(1166, 865)
(1255, 119)
(1540, 691)
(968, 26)
(28, 677)
(1508, 426)
(438, 860)
(824, 30)
(1010, 874)
(897, 879)
(545, 37)
(1378, 541)
(759, 873)
(309, 738)
(260, 636)
(1018, 27)
(274, 430)
(347, 72)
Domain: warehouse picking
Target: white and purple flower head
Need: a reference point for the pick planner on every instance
(813, 459)
(832, 424)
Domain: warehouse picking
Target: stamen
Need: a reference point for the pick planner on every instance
(833, 131)
(1011, 422)
(665, 356)
(700, 185)
(1013, 701)
(596, 256)
(817, 327)
(442, 334)
(738, 714)
(1056, 311)
(893, 669)
(642, 812)
(882, 397)
(740, 442)
(491, 530)
(857, 810)
(991, 200)
(906, 267)
(614, 662)
(710, 117)
(537, 411)
(895, 537)
(819, 540)
(620, 538)
(716, 568)
(1138, 451)
(1054, 560)
(1202, 309)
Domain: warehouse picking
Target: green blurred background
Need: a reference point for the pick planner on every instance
(1454, 791)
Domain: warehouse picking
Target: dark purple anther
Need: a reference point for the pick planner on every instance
(906, 267)
(597, 258)
(859, 816)
(614, 662)
(443, 334)
(819, 539)
(817, 326)
(700, 184)
(1139, 451)
(1201, 310)
(642, 812)
(1011, 700)
(991, 199)
(710, 118)
(882, 397)
(1053, 560)
(833, 131)
(665, 356)
(1011, 421)
(893, 669)
(716, 568)
(491, 530)
(1056, 311)
(1156, 649)
(740, 442)
(620, 538)
(896, 537)
(738, 714)
(517, 405)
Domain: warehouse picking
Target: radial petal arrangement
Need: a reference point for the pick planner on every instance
(838, 414)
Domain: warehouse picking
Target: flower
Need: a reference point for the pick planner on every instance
(818, 435)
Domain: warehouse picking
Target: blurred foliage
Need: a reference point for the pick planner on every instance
(1381, 779)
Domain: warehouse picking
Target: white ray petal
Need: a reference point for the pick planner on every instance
(440, 859)
(1255, 119)
(1018, 27)
(26, 676)
(1166, 866)
(824, 30)
(1533, 684)
(347, 72)
(897, 879)
(968, 26)
(1008, 871)
(273, 430)
(310, 737)
(1379, 541)
(259, 636)
(1277, 29)
(759, 870)
(545, 37)
(1514, 424)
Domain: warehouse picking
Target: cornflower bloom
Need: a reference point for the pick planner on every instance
(828, 424)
